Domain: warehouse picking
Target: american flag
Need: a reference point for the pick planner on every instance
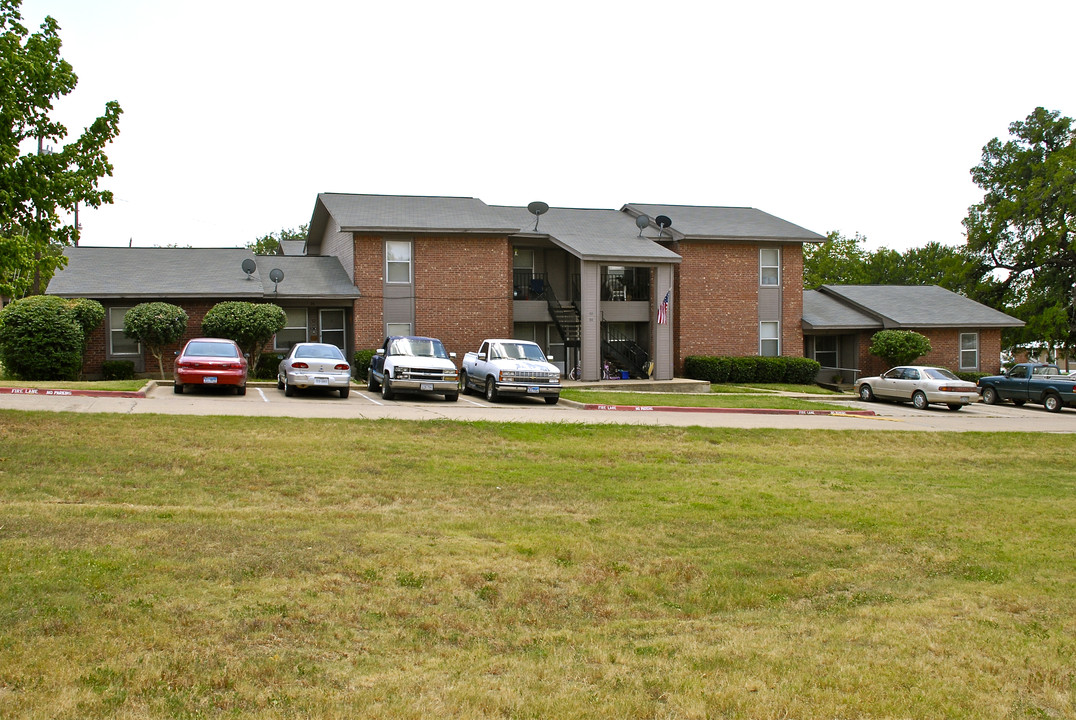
(663, 310)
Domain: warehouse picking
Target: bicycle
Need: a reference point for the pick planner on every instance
(607, 372)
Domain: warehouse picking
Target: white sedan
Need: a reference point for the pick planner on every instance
(314, 365)
(921, 384)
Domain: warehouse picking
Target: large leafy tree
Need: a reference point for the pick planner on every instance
(39, 188)
(1024, 228)
(267, 244)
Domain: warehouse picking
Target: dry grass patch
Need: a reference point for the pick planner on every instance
(265, 568)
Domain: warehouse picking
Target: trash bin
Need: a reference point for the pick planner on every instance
(623, 374)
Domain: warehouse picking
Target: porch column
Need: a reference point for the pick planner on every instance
(590, 351)
(663, 332)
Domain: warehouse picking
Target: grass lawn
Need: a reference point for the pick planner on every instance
(115, 385)
(276, 568)
(717, 400)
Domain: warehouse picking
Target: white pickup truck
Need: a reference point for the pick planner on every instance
(413, 364)
(516, 367)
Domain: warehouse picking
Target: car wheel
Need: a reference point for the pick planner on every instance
(919, 400)
(452, 397)
(990, 396)
(464, 387)
(1019, 403)
(954, 406)
(178, 388)
(865, 393)
(344, 392)
(1052, 402)
(240, 389)
(491, 390)
(289, 389)
(552, 399)
(371, 384)
(386, 390)
(279, 383)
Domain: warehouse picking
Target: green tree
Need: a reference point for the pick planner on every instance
(156, 325)
(1023, 229)
(250, 325)
(267, 244)
(37, 186)
(899, 347)
(837, 261)
(44, 337)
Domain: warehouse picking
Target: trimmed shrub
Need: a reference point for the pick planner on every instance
(972, 377)
(360, 363)
(899, 347)
(250, 325)
(42, 338)
(267, 366)
(118, 370)
(156, 325)
(89, 314)
(794, 370)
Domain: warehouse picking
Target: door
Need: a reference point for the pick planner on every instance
(333, 328)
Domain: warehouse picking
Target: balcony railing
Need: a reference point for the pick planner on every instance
(527, 285)
(625, 286)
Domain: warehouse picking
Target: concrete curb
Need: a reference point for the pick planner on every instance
(729, 411)
(80, 393)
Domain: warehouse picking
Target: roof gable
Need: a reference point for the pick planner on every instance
(917, 306)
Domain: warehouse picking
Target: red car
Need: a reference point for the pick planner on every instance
(211, 361)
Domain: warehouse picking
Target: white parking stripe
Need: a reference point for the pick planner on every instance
(262, 394)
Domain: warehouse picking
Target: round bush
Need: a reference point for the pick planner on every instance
(42, 338)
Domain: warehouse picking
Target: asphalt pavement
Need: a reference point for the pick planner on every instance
(267, 401)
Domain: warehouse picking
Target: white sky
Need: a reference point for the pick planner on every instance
(851, 116)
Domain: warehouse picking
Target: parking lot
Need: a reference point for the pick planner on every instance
(268, 401)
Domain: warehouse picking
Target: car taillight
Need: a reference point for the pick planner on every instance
(342, 366)
(299, 365)
(957, 388)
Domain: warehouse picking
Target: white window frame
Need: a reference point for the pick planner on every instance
(305, 328)
(763, 266)
(409, 263)
(973, 350)
(763, 338)
(113, 328)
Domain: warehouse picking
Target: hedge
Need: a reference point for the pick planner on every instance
(118, 370)
(751, 369)
(43, 337)
(360, 365)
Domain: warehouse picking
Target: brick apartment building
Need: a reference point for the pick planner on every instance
(587, 284)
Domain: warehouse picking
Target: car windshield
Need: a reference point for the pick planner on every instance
(211, 349)
(319, 352)
(517, 351)
(939, 374)
(418, 347)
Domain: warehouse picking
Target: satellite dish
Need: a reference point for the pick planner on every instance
(249, 266)
(537, 208)
(642, 222)
(276, 275)
(663, 222)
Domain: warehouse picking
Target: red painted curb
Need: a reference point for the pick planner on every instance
(747, 411)
(69, 393)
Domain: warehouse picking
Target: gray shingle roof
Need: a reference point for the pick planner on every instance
(605, 235)
(822, 312)
(152, 273)
(400, 213)
(693, 222)
(915, 306)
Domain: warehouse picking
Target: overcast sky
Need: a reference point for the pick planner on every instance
(851, 116)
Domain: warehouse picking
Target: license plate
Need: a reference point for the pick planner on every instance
(321, 381)
(428, 387)
(963, 398)
(209, 379)
(534, 389)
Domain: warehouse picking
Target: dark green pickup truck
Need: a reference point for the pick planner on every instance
(1030, 382)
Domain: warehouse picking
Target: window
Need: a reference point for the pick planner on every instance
(769, 266)
(969, 351)
(769, 343)
(398, 261)
(825, 351)
(294, 331)
(118, 343)
(397, 329)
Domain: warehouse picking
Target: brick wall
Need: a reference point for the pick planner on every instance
(792, 300)
(944, 351)
(463, 290)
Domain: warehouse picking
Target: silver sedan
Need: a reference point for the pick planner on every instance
(314, 365)
(921, 384)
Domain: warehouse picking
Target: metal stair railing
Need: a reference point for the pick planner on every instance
(625, 352)
(566, 318)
